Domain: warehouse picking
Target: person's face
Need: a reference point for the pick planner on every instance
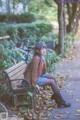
(43, 51)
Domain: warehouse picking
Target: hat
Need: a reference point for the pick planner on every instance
(40, 45)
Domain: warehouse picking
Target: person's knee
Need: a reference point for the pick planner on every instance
(52, 81)
(52, 76)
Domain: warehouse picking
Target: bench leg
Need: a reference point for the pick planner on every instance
(33, 99)
(33, 102)
(15, 99)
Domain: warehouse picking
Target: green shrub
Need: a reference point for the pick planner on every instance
(9, 56)
(32, 31)
(16, 18)
(12, 31)
(3, 17)
(44, 27)
(28, 17)
(69, 40)
(45, 10)
(3, 29)
(49, 37)
(51, 59)
(3, 89)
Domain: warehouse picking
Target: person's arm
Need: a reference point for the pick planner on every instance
(35, 66)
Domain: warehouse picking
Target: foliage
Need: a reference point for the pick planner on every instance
(31, 32)
(51, 59)
(43, 10)
(16, 18)
(3, 17)
(69, 40)
(9, 56)
(3, 29)
(49, 37)
(3, 88)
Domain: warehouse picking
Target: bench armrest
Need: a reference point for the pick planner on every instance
(24, 83)
(19, 80)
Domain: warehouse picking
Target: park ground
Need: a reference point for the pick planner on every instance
(70, 68)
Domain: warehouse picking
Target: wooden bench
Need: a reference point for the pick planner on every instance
(15, 77)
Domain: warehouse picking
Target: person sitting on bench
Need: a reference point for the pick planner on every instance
(36, 72)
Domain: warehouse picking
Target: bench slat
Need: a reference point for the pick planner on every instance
(17, 75)
(14, 67)
(17, 70)
(20, 77)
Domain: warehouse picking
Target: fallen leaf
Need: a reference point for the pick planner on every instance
(78, 110)
(77, 114)
(50, 108)
(49, 114)
(58, 116)
(69, 91)
(77, 100)
(67, 112)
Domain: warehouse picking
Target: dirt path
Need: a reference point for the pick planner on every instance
(71, 89)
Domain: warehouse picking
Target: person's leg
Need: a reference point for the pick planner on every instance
(44, 81)
(57, 95)
(51, 76)
(53, 85)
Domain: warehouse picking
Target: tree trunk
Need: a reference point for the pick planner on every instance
(1, 3)
(71, 13)
(8, 6)
(13, 2)
(61, 22)
(25, 3)
(64, 14)
(76, 21)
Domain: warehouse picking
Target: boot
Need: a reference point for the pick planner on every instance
(60, 101)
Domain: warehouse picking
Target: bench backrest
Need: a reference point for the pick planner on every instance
(15, 72)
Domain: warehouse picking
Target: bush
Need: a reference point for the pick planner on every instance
(3, 17)
(51, 59)
(45, 10)
(3, 89)
(9, 56)
(16, 18)
(3, 29)
(69, 40)
(32, 31)
(44, 27)
(28, 17)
